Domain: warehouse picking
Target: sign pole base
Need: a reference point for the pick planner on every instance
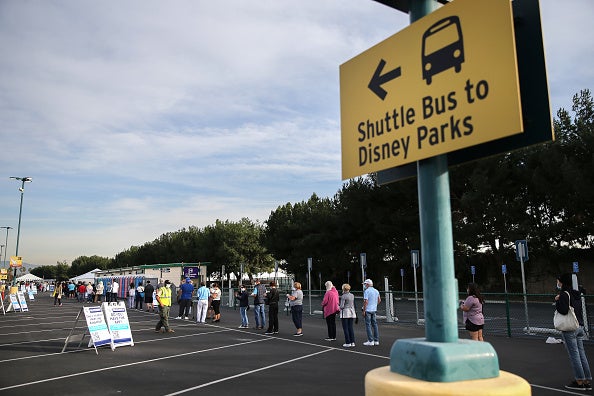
(444, 361)
(383, 382)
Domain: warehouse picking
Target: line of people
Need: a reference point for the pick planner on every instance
(332, 305)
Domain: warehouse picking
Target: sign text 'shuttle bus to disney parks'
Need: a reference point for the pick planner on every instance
(446, 82)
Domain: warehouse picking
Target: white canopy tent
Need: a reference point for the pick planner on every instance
(29, 278)
(86, 278)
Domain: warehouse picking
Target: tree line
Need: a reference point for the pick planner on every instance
(543, 193)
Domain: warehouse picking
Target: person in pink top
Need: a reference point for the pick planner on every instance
(331, 307)
(472, 308)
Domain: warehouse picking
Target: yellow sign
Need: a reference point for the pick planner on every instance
(446, 82)
(16, 261)
(3, 277)
(3, 271)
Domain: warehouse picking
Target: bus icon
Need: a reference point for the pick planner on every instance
(442, 47)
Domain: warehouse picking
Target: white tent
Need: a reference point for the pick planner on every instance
(86, 278)
(28, 278)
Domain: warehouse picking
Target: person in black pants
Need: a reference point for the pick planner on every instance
(272, 301)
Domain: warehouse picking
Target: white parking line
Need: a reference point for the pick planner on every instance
(248, 372)
(127, 365)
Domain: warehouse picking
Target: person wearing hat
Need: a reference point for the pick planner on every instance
(574, 340)
(371, 299)
(164, 300)
(185, 299)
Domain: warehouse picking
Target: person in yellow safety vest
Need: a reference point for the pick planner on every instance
(164, 300)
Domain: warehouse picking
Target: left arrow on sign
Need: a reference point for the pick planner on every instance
(378, 79)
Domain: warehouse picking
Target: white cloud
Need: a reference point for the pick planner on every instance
(137, 118)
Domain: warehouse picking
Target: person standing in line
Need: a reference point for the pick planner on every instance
(164, 300)
(131, 295)
(273, 297)
(202, 294)
(90, 292)
(115, 288)
(472, 312)
(210, 312)
(99, 292)
(347, 315)
(371, 299)
(58, 294)
(244, 304)
(330, 308)
(108, 292)
(148, 296)
(185, 299)
(81, 290)
(216, 302)
(139, 297)
(259, 294)
(296, 304)
(574, 340)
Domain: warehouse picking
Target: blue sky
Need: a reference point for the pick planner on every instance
(137, 118)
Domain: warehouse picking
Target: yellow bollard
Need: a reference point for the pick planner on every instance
(383, 382)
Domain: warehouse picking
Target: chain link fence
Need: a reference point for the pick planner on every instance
(506, 314)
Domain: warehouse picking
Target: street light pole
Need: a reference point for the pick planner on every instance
(6, 244)
(22, 190)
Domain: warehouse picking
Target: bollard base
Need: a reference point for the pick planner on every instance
(383, 382)
(444, 361)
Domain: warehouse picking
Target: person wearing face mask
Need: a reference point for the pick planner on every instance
(296, 304)
(272, 298)
(371, 299)
(202, 294)
(164, 300)
(243, 297)
(472, 308)
(574, 340)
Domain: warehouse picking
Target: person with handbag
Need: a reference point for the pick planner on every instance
(348, 314)
(574, 339)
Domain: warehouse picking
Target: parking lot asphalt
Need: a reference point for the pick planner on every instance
(224, 359)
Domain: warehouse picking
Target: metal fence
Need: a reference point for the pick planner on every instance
(506, 314)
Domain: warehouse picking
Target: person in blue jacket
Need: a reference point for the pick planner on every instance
(185, 299)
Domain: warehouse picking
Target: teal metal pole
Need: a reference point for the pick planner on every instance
(439, 284)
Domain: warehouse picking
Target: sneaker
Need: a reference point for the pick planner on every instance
(297, 334)
(186, 318)
(368, 343)
(275, 332)
(575, 386)
(329, 339)
(178, 317)
(587, 385)
(352, 344)
(346, 345)
(375, 342)
(269, 333)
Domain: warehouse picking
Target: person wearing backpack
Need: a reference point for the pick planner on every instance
(259, 295)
